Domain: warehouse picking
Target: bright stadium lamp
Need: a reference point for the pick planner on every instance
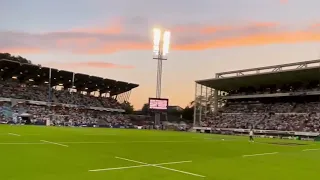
(166, 42)
(156, 41)
(161, 44)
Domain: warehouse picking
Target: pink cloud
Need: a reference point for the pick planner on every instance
(186, 38)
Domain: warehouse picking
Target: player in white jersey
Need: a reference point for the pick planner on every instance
(251, 135)
(20, 120)
(15, 118)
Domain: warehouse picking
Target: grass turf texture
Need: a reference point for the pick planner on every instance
(210, 155)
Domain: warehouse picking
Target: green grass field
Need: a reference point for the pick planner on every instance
(62, 153)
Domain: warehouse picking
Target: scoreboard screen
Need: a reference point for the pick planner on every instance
(158, 104)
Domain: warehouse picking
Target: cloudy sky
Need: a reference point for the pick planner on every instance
(113, 39)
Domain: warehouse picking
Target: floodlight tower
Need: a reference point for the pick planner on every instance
(161, 43)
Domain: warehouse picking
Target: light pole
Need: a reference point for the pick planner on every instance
(161, 44)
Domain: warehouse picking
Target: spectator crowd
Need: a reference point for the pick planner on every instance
(13, 89)
(57, 112)
(286, 108)
(285, 116)
(65, 116)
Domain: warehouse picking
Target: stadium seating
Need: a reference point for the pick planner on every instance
(293, 115)
(283, 97)
(61, 115)
(45, 93)
(13, 89)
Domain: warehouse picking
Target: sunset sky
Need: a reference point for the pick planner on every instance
(113, 39)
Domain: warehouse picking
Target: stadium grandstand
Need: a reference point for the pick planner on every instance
(39, 94)
(281, 99)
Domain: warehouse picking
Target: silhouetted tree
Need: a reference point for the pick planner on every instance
(187, 113)
(5, 56)
(145, 109)
(19, 59)
(128, 107)
(175, 112)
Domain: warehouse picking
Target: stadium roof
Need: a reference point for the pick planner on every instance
(275, 75)
(39, 75)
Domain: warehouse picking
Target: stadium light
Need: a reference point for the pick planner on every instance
(156, 41)
(161, 45)
(166, 42)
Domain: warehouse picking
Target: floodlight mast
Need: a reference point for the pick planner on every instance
(161, 42)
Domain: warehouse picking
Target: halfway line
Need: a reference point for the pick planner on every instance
(13, 134)
(49, 142)
(251, 155)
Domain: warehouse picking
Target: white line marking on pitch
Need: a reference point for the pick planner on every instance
(129, 167)
(13, 134)
(175, 170)
(263, 154)
(177, 162)
(87, 142)
(132, 160)
(49, 142)
(158, 166)
(118, 168)
(311, 150)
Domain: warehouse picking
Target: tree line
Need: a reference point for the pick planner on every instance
(8, 56)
